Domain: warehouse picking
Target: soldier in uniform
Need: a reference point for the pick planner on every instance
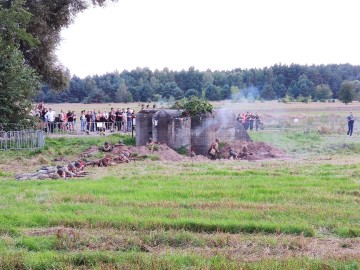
(79, 165)
(244, 153)
(45, 172)
(214, 150)
(121, 159)
(106, 147)
(150, 145)
(105, 161)
(233, 154)
(192, 152)
(122, 149)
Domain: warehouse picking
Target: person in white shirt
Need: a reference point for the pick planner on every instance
(50, 119)
(106, 119)
(124, 120)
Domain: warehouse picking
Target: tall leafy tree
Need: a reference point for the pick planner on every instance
(178, 94)
(225, 92)
(146, 92)
(46, 22)
(191, 93)
(18, 81)
(323, 91)
(347, 92)
(306, 87)
(135, 93)
(268, 92)
(169, 90)
(77, 90)
(208, 78)
(122, 92)
(212, 92)
(293, 89)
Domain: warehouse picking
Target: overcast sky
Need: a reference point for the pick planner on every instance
(211, 34)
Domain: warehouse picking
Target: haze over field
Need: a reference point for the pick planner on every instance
(210, 34)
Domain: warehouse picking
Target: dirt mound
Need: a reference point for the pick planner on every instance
(162, 151)
(120, 149)
(255, 150)
(93, 150)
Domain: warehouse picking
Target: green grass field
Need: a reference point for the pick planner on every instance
(300, 212)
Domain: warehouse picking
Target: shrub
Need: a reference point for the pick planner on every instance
(182, 151)
(193, 106)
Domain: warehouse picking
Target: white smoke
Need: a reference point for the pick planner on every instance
(248, 94)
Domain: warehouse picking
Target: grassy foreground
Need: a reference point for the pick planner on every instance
(297, 213)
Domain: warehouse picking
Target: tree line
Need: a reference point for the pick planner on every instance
(298, 82)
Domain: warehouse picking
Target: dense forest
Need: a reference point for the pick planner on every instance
(316, 82)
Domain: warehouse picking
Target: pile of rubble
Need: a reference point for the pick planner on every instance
(251, 150)
(245, 150)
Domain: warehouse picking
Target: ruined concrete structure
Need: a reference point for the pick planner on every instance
(225, 122)
(172, 129)
(144, 126)
(202, 133)
(240, 132)
(197, 132)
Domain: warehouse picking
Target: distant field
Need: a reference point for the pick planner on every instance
(268, 107)
(324, 117)
(298, 212)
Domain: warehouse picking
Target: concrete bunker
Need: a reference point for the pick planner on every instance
(170, 128)
(197, 132)
(144, 125)
(225, 122)
(202, 133)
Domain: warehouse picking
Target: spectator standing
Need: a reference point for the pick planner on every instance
(124, 120)
(243, 120)
(83, 120)
(98, 120)
(93, 119)
(350, 120)
(70, 119)
(133, 119)
(50, 119)
(247, 120)
(74, 120)
(112, 119)
(128, 117)
(61, 120)
(251, 121)
(88, 120)
(118, 119)
(106, 119)
(40, 106)
(257, 121)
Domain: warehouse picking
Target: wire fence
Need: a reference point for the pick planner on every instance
(78, 128)
(24, 139)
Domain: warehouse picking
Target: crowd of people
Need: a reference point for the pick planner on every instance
(250, 120)
(122, 120)
(90, 121)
